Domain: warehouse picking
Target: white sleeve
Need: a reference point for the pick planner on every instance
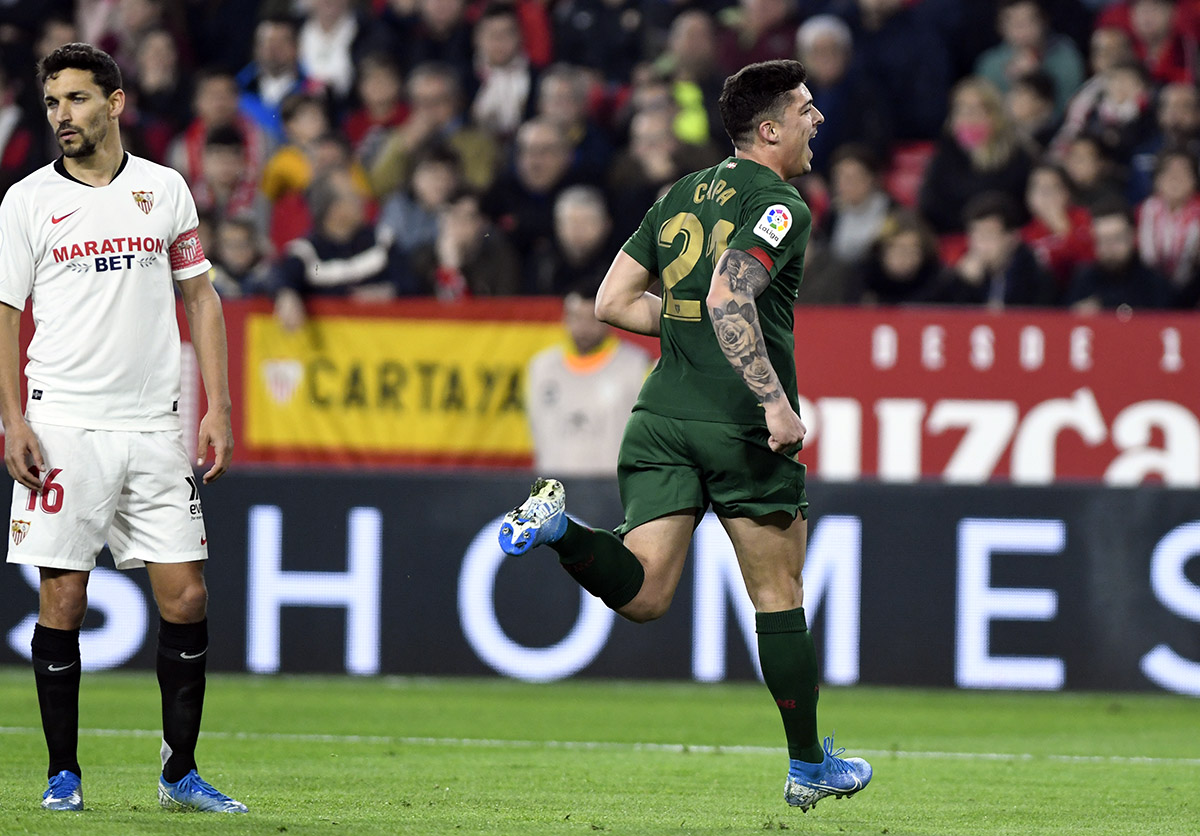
(16, 252)
(186, 252)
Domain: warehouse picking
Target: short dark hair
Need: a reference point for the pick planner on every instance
(755, 92)
(1037, 82)
(224, 136)
(860, 153)
(993, 205)
(99, 63)
(1170, 152)
(1110, 206)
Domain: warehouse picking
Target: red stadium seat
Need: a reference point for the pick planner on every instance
(902, 179)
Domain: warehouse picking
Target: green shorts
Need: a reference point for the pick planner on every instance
(670, 464)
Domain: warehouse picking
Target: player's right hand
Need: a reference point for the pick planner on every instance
(23, 455)
(786, 429)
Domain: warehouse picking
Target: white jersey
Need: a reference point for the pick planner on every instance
(98, 264)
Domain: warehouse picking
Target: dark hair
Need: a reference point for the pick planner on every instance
(1038, 82)
(1172, 151)
(86, 57)
(757, 92)
(1113, 205)
(993, 205)
(499, 8)
(860, 153)
(1007, 4)
(224, 136)
(296, 102)
(441, 153)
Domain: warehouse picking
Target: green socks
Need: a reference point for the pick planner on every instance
(600, 563)
(789, 666)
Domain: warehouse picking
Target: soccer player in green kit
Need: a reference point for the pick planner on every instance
(717, 422)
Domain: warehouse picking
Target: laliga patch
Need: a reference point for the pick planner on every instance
(774, 224)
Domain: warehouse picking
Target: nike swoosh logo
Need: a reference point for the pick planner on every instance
(203, 540)
(59, 668)
(857, 786)
(62, 218)
(183, 655)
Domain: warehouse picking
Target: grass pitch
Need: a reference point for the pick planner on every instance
(360, 757)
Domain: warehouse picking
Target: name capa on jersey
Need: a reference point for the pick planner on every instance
(112, 253)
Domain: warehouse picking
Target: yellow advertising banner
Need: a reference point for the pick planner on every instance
(387, 387)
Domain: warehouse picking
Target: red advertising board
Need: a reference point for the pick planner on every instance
(899, 395)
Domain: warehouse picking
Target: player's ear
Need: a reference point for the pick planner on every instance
(767, 132)
(116, 103)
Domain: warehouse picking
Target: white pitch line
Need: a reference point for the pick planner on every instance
(599, 745)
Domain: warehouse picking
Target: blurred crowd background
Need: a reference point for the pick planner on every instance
(975, 152)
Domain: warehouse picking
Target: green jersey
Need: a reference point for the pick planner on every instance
(739, 204)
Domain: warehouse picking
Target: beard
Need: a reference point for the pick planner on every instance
(85, 148)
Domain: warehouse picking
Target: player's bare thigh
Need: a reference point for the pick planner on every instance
(770, 551)
(662, 547)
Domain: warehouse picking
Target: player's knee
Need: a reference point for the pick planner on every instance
(63, 611)
(645, 608)
(188, 605)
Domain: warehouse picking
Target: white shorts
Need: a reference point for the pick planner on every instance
(133, 490)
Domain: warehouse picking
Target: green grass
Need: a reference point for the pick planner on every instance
(316, 755)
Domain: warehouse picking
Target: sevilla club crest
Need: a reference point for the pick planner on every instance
(19, 529)
(144, 200)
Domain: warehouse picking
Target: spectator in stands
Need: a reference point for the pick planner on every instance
(1030, 105)
(582, 247)
(654, 159)
(118, 28)
(689, 63)
(1094, 177)
(851, 102)
(579, 394)
(290, 169)
(522, 200)
(998, 269)
(329, 44)
(1168, 224)
(1028, 45)
(158, 96)
(902, 266)
(1118, 277)
(979, 151)
(756, 30)
(437, 116)
(215, 106)
(429, 31)
(859, 208)
(273, 75)
(239, 258)
(899, 50)
(343, 255)
(563, 96)
(1178, 121)
(1059, 231)
(1120, 118)
(413, 214)
(20, 152)
(381, 107)
(605, 36)
(471, 257)
(1108, 47)
(504, 78)
(1163, 36)
(222, 194)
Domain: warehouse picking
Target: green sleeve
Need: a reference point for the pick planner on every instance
(642, 246)
(774, 227)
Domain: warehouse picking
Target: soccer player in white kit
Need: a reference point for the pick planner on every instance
(97, 240)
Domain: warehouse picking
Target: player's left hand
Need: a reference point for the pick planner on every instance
(215, 431)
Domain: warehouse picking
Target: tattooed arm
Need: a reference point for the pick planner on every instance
(624, 297)
(739, 278)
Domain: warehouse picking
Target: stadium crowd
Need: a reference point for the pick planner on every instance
(987, 152)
